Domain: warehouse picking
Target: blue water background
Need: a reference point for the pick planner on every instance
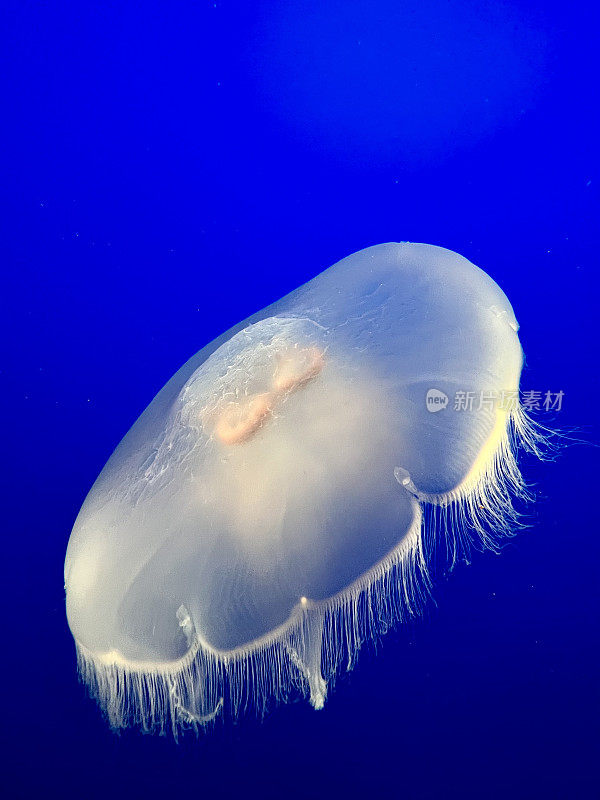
(170, 168)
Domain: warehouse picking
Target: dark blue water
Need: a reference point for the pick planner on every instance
(170, 168)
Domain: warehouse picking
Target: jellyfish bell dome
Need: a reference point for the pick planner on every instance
(266, 514)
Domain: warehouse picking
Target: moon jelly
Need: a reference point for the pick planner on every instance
(276, 504)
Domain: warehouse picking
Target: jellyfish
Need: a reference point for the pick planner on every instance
(278, 502)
